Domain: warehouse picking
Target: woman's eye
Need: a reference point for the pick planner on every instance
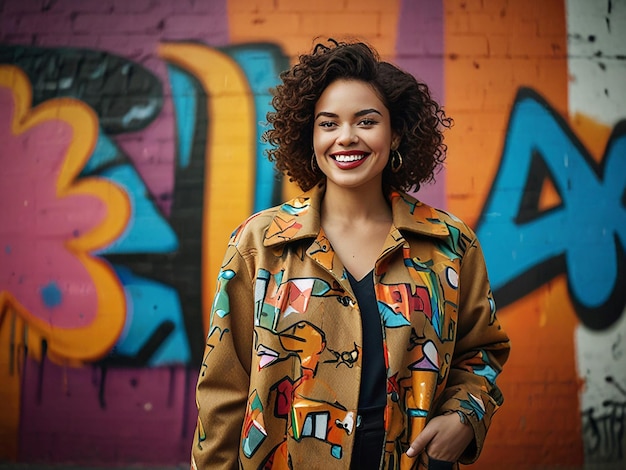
(326, 124)
(368, 122)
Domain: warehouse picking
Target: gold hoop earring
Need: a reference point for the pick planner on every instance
(313, 163)
(396, 161)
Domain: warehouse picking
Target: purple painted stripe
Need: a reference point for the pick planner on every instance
(420, 50)
(124, 416)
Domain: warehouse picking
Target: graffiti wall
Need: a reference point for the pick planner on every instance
(130, 149)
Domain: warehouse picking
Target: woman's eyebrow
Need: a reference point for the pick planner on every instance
(363, 112)
(325, 114)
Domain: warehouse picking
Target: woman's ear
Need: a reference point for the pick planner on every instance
(395, 141)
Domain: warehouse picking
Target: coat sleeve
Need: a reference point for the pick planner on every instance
(224, 377)
(481, 349)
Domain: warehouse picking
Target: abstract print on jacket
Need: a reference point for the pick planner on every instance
(279, 384)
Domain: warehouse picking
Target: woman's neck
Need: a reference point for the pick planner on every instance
(354, 204)
(356, 223)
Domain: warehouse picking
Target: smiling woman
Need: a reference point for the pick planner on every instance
(352, 138)
(352, 130)
(354, 326)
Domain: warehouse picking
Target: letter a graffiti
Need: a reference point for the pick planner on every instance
(583, 236)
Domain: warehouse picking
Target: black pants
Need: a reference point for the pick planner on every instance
(369, 440)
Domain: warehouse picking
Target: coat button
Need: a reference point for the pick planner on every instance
(345, 300)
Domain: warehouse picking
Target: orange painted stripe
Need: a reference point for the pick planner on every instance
(297, 25)
(490, 53)
(492, 49)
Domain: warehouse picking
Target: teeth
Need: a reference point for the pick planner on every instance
(348, 158)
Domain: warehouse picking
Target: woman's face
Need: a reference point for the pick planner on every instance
(352, 135)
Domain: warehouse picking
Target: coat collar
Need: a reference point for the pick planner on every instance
(300, 217)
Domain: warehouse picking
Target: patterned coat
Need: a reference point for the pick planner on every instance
(279, 384)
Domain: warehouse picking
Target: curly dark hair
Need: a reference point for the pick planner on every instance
(415, 116)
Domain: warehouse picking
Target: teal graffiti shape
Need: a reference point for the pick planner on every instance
(51, 295)
(583, 236)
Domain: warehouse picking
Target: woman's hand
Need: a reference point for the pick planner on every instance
(445, 437)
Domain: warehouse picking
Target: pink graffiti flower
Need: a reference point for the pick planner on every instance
(51, 221)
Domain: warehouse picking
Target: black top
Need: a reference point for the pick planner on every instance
(373, 392)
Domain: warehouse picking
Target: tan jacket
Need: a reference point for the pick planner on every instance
(279, 383)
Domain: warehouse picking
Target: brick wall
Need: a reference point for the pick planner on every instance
(536, 92)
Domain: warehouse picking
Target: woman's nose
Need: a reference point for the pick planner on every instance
(347, 136)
